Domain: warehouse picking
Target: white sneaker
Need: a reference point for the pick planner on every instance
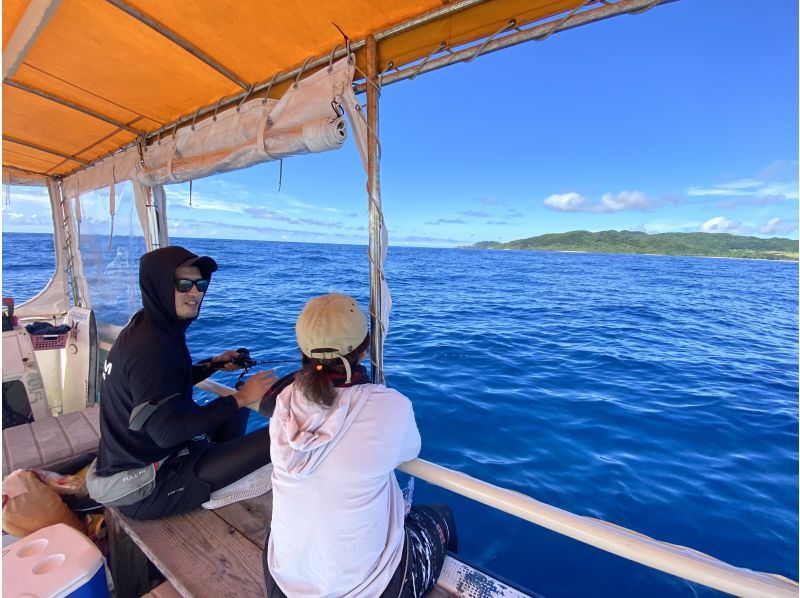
(254, 484)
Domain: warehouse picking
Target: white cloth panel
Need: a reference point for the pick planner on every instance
(359, 123)
(19, 177)
(302, 121)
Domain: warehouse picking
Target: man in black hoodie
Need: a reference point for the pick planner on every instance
(147, 414)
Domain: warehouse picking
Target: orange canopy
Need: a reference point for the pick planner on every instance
(96, 74)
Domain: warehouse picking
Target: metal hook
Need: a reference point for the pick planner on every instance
(510, 25)
(330, 61)
(441, 47)
(214, 118)
(246, 95)
(266, 95)
(300, 74)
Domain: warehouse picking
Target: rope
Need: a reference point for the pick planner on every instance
(560, 23)
(510, 25)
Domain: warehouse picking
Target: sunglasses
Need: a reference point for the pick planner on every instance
(184, 285)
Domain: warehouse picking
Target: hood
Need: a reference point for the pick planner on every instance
(157, 281)
(310, 431)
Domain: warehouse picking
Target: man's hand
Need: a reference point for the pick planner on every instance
(227, 357)
(256, 387)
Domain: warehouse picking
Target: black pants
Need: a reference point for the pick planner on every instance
(430, 532)
(187, 479)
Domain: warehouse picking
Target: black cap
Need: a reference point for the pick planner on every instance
(206, 264)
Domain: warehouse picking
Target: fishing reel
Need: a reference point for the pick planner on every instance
(243, 359)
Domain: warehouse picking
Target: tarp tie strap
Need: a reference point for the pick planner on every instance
(560, 23)
(383, 72)
(190, 192)
(216, 109)
(330, 62)
(300, 74)
(244, 99)
(269, 87)
(112, 207)
(441, 47)
(510, 25)
(194, 119)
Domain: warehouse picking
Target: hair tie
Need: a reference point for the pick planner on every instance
(319, 367)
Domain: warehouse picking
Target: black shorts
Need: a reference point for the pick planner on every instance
(178, 489)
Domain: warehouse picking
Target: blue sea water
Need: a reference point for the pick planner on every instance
(658, 393)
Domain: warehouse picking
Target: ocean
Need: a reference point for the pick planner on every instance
(658, 393)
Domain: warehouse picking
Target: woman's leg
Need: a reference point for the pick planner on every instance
(430, 531)
(225, 462)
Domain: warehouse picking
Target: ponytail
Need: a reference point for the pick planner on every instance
(313, 379)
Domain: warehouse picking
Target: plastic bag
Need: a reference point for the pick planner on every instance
(29, 504)
(74, 484)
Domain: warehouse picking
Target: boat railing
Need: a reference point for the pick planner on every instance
(669, 558)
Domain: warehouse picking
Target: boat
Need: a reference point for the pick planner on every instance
(144, 94)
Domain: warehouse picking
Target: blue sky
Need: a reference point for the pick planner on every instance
(681, 119)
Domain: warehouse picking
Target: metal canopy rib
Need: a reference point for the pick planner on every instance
(44, 149)
(72, 105)
(33, 22)
(179, 41)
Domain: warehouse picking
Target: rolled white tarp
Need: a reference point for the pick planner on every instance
(303, 121)
(306, 119)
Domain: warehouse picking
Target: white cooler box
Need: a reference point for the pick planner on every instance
(55, 562)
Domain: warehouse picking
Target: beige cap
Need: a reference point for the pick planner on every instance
(330, 326)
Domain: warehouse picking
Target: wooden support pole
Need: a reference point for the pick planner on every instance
(375, 214)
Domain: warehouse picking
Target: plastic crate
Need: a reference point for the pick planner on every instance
(44, 342)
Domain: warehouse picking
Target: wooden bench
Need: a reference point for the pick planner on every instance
(53, 443)
(201, 553)
(219, 553)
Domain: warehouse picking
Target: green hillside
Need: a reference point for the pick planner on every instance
(699, 244)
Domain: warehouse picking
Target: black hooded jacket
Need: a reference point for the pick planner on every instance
(150, 363)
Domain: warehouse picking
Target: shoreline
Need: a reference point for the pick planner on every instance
(713, 257)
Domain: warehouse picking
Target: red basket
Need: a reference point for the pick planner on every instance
(44, 342)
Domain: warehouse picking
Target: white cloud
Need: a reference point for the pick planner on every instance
(778, 181)
(720, 224)
(625, 200)
(565, 202)
(776, 226)
(609, 202)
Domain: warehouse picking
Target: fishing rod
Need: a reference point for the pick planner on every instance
(246, 362)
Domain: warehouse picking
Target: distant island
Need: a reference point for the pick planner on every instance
(695, 244)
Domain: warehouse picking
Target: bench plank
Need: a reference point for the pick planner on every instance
(251, 518)
(200, 554)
